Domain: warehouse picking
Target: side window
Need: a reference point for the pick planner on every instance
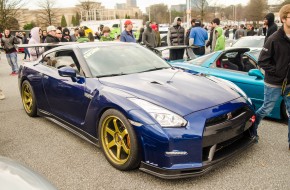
(231, 61)
(49, 60)
(249, 63)
(67, 58)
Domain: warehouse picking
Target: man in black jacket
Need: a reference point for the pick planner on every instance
(148, 36)
(275, 61)
(270, 24)
(51, 36)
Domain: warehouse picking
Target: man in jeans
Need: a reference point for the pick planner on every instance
(8, 41)
(275, 60)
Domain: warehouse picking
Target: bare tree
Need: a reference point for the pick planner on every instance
(256, 10)
(9, 11)
(88, 5)
(48, 14)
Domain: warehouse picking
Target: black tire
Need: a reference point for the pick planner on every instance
(28, 99)
(284, 112)
(116, 134)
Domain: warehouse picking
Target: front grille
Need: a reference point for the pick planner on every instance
(224, 117)
(225, 148)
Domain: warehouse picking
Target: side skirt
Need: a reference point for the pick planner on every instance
(75, 130)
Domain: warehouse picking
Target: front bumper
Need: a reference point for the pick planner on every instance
(236, 148)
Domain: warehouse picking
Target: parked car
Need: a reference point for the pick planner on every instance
(142, 112)
(239, 66)
(15, 176)
(252, 42)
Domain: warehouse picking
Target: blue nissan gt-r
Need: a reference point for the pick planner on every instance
(239, 66)
(141, 111)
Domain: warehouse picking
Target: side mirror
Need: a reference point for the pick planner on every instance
(67, 72)
(256, 73)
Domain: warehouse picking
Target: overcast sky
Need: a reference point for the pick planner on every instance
(145, 3)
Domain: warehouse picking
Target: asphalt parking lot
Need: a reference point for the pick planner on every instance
(71, 163)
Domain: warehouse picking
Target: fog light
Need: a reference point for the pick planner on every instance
(253, 119)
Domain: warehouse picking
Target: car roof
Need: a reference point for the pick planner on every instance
(252, 37)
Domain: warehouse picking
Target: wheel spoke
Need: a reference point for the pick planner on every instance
(116, 125)
(125, 132)
(111, 144)
(125, 148)
(26, 94)
(118, 152)
(110, 131)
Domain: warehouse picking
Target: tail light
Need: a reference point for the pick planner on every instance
(253, 119)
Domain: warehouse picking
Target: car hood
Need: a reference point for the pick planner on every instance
(173, 89)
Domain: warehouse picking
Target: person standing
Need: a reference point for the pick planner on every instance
(197, 37)
(106, 35)
(275, 61)
(127, 35)
(43, 36)
(25, 41)
(35, 52)
(139, 40)
(74, 37)
(155, 29)
(66, 35)
(8, 43)
(209, 42)
(51, 36)
(176, 37)
(192, 22)
(148, 36)
(58, 35)
(215, 24)
(221, 41)
(241, 32)
(82, 37)
(270, 25)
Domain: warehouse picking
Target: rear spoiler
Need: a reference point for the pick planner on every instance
(45, 44)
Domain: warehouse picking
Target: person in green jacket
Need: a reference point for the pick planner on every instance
(220, 42)
(106, 35)
(82, 37)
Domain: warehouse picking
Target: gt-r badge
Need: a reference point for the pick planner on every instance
(88, 96)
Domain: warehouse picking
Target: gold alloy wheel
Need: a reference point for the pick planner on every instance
(27, 98)
(116, 140)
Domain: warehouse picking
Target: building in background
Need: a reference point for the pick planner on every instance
(131, 3)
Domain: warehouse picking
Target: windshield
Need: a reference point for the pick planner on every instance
(121, 60)
(249, 43)
(201, 60)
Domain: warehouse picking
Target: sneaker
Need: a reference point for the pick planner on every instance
(13, 73)
(2, 96)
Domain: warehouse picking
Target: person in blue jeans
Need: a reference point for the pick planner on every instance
(8, 42)
(275, 61)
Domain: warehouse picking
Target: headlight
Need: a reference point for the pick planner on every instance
(163, 116)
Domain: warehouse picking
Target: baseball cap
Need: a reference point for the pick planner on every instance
(128, 22)
(197, 22)
(50, 28)
(179, 19)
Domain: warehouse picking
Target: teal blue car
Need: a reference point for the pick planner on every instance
(238, 66)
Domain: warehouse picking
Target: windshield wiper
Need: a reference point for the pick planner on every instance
(155, 69)
(111, 75)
